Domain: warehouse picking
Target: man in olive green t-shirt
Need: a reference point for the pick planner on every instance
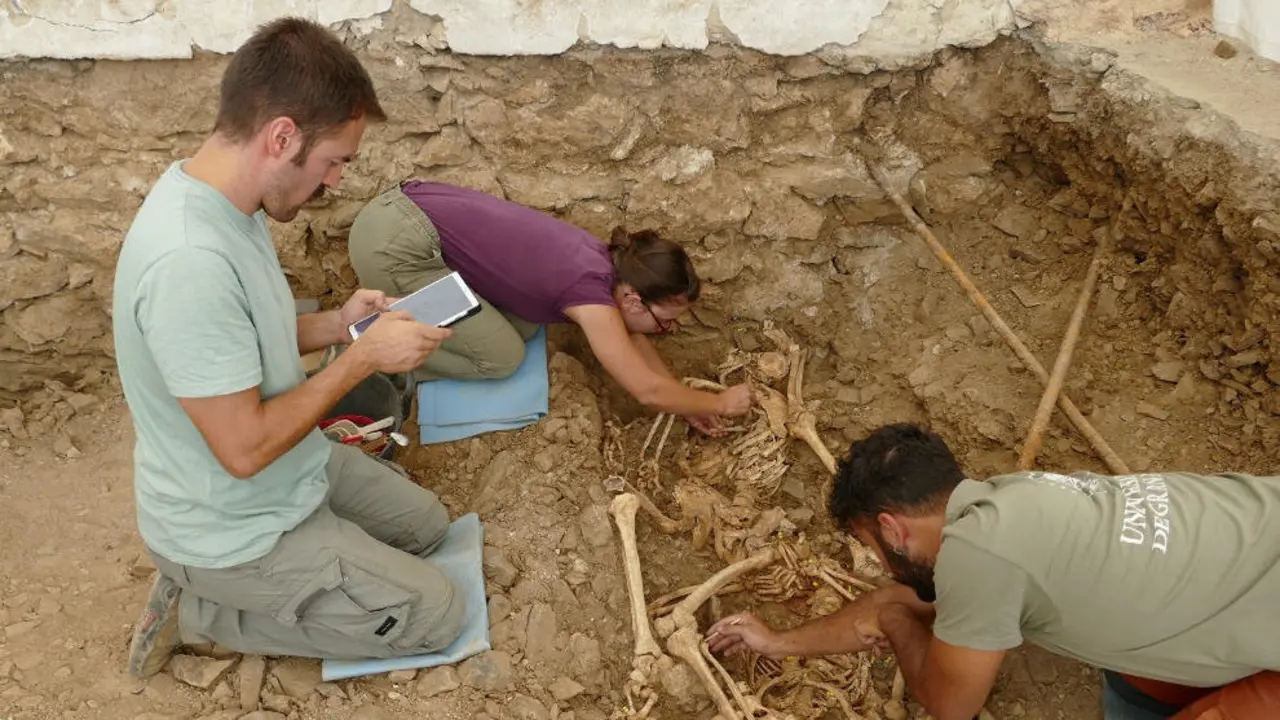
(1168, 579)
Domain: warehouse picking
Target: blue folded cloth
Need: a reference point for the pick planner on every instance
(459, 557)
(451, 410)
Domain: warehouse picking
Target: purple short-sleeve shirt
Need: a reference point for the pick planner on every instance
(519, 259)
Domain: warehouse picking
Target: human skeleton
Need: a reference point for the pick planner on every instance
(718, 495)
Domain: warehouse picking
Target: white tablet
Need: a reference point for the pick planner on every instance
(442, 303)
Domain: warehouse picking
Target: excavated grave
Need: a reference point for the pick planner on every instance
(1018, 155)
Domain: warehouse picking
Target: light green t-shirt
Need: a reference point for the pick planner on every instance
(201, 308)
(1168, 576)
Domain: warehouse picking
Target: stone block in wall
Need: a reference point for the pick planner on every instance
(72, 320)
(801, 132)
(724, 264)
(188, 103)
(451, 146)
(16, 149)
(541, 133)
(778, 214)
(299, 257)
(714, 202)
(956, 185)
(551, 190)
(8, 245)
(100, 187)
(482, 178)
(25, 277)
(597, 218)
(820, 180)
(411, 103)
(485, 120)
(684, 164)
(17, 189)
(93, 238)
(718, 120)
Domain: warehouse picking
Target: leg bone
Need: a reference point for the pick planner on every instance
(683, 643)
(623, 508)
(665, 524)
(682, 614)
(800, 422)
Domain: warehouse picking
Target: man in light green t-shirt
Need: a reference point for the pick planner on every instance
(268, 538)
(1167, 581)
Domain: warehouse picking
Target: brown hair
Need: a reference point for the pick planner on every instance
(294, 68)
(658, 269)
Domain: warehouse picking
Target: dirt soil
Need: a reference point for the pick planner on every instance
(75, 574)
(901, 342)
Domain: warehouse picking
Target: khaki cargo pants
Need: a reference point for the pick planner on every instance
(395, 248)
(353, 580)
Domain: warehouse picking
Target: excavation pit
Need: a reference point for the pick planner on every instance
(1019, 156)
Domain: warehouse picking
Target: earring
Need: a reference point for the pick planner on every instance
(901, 552)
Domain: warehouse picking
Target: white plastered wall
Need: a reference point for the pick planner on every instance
(1254, 22)
(891, 31)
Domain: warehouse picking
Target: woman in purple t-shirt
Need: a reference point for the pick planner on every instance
(531, 269)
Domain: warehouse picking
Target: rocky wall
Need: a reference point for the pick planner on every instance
(754, 161)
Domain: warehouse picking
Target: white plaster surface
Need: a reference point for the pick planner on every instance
(795, 28)
(124, 29)
(1255, 22)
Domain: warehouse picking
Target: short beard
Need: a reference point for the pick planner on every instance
(285, 215)
(912, 573)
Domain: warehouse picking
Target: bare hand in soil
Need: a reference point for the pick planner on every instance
(745, 631)
(397, 343)
(736, 400)
(712, 425)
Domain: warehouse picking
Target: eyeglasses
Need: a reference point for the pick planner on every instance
(664, 326)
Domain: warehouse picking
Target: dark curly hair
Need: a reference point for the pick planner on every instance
(899, 468)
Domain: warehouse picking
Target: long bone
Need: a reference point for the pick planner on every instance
(800, 422)
(649, 658)
(623, 508)
(682, 614)
(683, 643)
(680, 628)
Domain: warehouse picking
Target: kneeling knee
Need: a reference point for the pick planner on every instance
(447, 625)
(503, 364)
(431, 525)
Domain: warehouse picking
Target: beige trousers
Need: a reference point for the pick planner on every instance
(394, 248)
(353, 580)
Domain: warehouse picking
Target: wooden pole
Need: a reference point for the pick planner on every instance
(1035, 436)
(1073, 413)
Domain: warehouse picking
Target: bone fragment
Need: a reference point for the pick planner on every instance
(664, 604)
(743, 707)
(683, 643)
(894, 708)
(838, 695)
(665, 524)
(682, 614)
(623, 508)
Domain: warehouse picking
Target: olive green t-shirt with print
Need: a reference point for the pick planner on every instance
(201, 308)
(1168, 576)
